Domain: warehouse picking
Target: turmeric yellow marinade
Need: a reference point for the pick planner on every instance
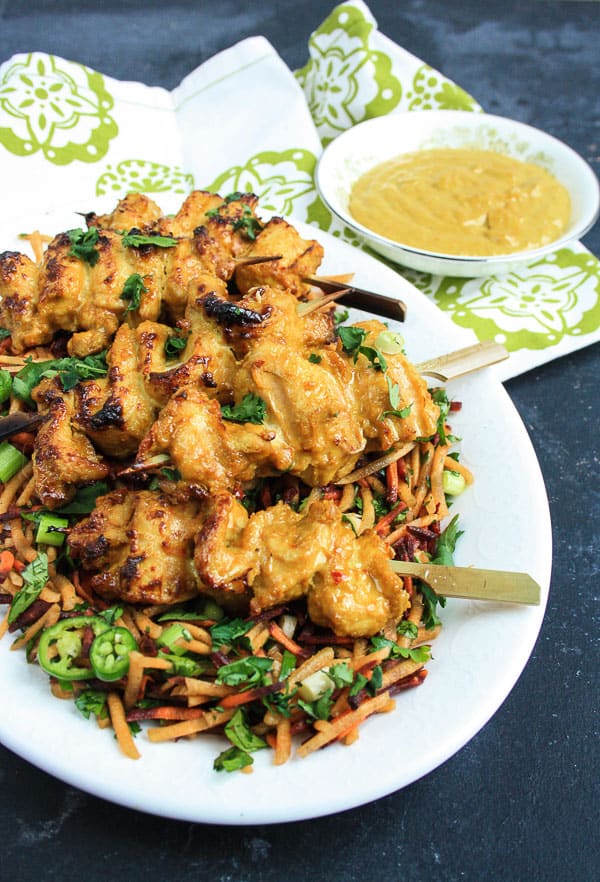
(174, 371)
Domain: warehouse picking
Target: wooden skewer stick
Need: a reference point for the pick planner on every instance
(250, 261)
(156, 462)
(360, 298)
(470, 583)
(309, 306)
(463, 361)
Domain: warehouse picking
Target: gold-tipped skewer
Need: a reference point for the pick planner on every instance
(470, 583)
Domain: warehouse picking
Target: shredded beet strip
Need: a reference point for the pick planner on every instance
(323, 639)
(408, 682)
(168, 712)
(30, 615)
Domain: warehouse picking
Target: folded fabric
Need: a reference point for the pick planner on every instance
(71, 136)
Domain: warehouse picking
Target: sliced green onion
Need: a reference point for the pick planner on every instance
(453, 482)
(171, 637)
(51, 529)
(11, 460)
(390, 342)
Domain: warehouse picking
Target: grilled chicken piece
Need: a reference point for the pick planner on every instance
(191, 215)
(281, 555)
(69, 294)
(135, 210)
(18, 299)
(312, 403)
(372, 391)
(300, 258)
(63, 458)
(138, 546)
(280, 323)
(207, 450)
(117, 411)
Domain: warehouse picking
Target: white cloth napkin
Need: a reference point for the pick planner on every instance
(71, 136)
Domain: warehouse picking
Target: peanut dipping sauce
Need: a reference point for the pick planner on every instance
(462, 201)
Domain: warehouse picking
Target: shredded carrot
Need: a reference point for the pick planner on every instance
(283, 742)
(236, 699)
(120, 725)
(7, 562)
(391, 476)
(279, 634)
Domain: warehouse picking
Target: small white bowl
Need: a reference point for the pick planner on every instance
(377, 140)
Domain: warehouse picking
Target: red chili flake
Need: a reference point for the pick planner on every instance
(337, 576)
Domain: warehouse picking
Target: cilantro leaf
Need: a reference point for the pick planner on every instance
(241, 735)
(446, 544)
(319, 709)
(35, 577)
(248, 671)
(407, 629)
(341, 674)
(251, 409)
(352, 339)
(394, 394)
(418, 654)
(441, 399)
(84, 500)
(4, 333)
(229, 632)
(70, 371)
(111, 614)
(132, 292)
(92, 701)
(231, 760)
(174, 345)
(83, 244)
(136, 240)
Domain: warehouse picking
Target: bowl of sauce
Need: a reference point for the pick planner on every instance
(458, 193)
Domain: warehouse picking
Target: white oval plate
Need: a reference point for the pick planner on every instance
(477, 659)
(366, 145)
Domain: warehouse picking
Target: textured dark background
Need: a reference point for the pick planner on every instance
(520, 801)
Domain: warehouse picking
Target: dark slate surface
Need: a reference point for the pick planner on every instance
(520, 802)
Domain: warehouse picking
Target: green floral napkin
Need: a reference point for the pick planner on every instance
(244, 121)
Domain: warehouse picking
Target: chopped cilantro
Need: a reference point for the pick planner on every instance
(231, 760)
(228, 632)
(35, 577)
(407, 629)
(174, 345)
(419, 654)
(241, 735)
(84, 500)
(251, 409)
(70, 371)
(83, 244)
(92, 701)
(132, 292)
(136, 240)
(314, 358)
(319, 709)
(248, 671)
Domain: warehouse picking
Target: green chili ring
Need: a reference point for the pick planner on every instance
(109, 653)
(61, 644)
